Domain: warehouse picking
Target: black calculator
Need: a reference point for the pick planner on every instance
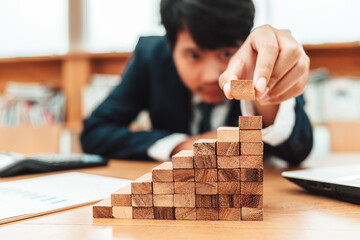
(12, 164)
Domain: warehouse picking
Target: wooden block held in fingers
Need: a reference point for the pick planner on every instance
(102, 209)
(229, 188)
(231, 214)
(163, 188)
(142, 200)
(252, 174)
(247, 161)
(228, 148)
(163, 173)
(122, 197)
(183, 159)
(164, 213)
(206, 188)
(122, 212)
(252, 214)
(250, 122)
(184, 200)
(204, 147)
(251, 188)
(142, 185)
(252, 148)
(207, 201)
(205, 175)
(250, 135)
(228, 161)
(242, 89)
(252, 201)
(205, 161)
(184, 175)
(163, 200)
(207, 213)
(229, 175)
(143, 213)
(184, 187)
(183, 213)
(228, 134)
(229, 201)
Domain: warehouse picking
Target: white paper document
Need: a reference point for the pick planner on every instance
(36, 196)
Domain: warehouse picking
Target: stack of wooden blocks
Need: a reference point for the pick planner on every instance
(220, 179)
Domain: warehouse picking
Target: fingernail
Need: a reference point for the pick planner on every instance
(227, 90)
(260, 84)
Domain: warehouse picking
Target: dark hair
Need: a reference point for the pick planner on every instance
(211, 23)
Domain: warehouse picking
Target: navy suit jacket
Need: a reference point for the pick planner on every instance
(151, 82)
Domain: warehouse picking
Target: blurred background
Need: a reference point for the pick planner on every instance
(60, 58)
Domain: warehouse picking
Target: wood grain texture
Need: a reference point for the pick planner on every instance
(206, 175)
(184, 187)
(230, 214)
(184, 175)
(250, 122)
(228, 161)
(207, 201)
(205, 161)
(183, 159)
(229, 188)
(228, 148)
(228, 134)
(163, 200)
(251, 188)
(252, 201)
(204, 147)
(252, 149)
(229, 175)
(252, 174)
(122, 197)
(248, 161)
(184, 200)
(242, 89)
(167, 213)
(229, 201)
(206, 188)
(142, 185)
(163, 173)
(102, 209)
(122, 212)
(142, 200)
(182, 213)
(207, 213)
(163, 188)
(143, 213)
(250, 135)
(252, 214)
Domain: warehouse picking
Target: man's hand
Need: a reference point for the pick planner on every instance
(277, 63)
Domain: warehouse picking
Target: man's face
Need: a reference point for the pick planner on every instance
(200, 69)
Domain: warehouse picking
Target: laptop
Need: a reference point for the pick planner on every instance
(341, 182)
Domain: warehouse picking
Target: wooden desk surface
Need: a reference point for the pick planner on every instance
(289, 213)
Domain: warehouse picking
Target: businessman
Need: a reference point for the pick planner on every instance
(183, 78)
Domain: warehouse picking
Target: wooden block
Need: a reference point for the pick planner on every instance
(230, 214)
(207, 201)
(206, 188)
(252, 201)
(183, 159)
(182, 213)
(122, 212)
(229, 201)
(163, 200)
(143, 213)
(204, 147)
(251, 188)
(207, 213)
(228, 148)
(142, 185)
(228, 161)
(247, 161)
(252, 148)
(184, 187)
(229, 188)
(163, 173)
(250, 135)
(228, 134)
(163, 188)
(184, 175)
(242, 89)
(184, 200)
(252, 174)
(205, 175)
(164, 213)
(252, 214)
(205, 161)
(102, 209)
(229, 175)
(142, 200)
(250, 122)
(122, 197)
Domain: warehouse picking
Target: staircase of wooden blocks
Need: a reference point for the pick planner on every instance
(220, 179)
